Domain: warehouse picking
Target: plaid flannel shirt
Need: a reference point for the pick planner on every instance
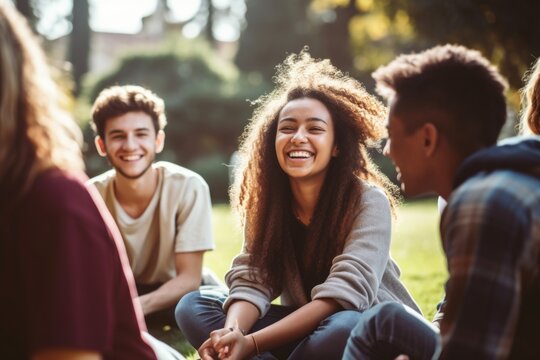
(491, 236)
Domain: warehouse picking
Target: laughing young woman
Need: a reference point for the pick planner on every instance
(317, 220)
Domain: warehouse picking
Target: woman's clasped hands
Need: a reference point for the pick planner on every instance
(228, 344)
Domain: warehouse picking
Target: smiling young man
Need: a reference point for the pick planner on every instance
(163, 210)
(447, 108)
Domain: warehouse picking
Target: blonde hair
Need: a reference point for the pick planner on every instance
(530, 100)
(35, 132)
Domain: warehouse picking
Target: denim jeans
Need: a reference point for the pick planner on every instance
(390, 329)
(200, 312)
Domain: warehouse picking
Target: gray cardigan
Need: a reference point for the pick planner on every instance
(362, 276)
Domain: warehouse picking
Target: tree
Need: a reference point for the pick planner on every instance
(79, 44)
(506, 31)
(212, 15)
(210, 22)
(274, 29)
(339, 51)
(277, 28)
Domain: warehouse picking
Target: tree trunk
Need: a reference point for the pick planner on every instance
(79, 48)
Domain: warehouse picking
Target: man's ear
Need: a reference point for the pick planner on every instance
(100, 146)
(431, 138)
(160, 141)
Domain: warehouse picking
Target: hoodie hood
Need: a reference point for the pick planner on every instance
(521, 154)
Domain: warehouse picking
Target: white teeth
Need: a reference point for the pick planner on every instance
(300, 154)
(131, 157)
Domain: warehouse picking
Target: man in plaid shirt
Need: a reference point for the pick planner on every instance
(446, 111)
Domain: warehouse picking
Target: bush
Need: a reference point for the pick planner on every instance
(215, 170)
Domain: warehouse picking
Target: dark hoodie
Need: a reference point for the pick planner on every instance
(520, 154)
(491, 237)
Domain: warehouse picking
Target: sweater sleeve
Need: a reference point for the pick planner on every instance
(246, 284)
(356, 274)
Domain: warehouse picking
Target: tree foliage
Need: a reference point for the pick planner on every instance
(506, 31)
(359, 35)
(356, 35)
(79, 41)
(205, 96)
(273, 29)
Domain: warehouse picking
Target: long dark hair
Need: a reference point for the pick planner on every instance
(261, 193)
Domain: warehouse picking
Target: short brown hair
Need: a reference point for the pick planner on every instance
(458, 84)
(118, 100)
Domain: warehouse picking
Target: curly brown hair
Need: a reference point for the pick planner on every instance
(119, 100)
(261, 193)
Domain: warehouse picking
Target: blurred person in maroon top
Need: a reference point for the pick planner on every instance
(66, 286)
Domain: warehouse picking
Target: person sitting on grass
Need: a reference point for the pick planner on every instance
(447, 108)
(68, 292)
(317, 222)
(163, 210)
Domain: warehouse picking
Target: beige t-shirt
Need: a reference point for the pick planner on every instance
(178, 219)
(141, 235)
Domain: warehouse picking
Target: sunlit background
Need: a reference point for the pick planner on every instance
(125, 16)
(208, 59)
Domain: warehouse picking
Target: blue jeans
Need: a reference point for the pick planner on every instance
(390, 329)
(201, 312)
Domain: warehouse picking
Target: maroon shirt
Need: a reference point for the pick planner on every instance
(63, 275)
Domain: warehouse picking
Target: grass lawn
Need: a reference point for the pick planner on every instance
(415, 247)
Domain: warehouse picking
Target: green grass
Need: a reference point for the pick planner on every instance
(228, 238)
(415, 247)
